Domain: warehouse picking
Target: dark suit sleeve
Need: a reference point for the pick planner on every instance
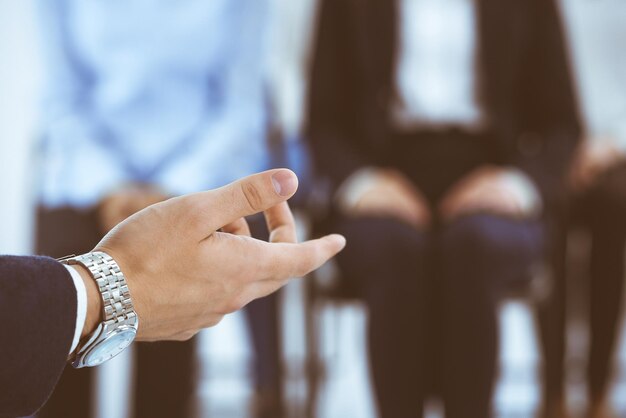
(37, 323)
(548, 105)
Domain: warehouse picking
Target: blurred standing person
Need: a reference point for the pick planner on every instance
(151, 100)
(444, 131)
(598, 177)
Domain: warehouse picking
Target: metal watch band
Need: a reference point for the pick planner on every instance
(117, 304)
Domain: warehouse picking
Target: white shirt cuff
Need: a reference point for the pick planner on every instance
(81, 305)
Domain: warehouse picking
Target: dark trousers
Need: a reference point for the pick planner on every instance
(432, 295)
(165, 371)
(602, 210)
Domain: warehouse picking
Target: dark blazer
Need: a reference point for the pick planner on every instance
(37, 323)
(524, 80)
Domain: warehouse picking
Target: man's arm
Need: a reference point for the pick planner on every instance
(188, 261)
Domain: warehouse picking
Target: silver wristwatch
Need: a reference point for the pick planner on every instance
(119, 326)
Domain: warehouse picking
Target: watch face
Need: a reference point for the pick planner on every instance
(111, 347)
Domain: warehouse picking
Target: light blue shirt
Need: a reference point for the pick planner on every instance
(165, 92)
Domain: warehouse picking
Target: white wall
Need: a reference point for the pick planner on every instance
(19, 86)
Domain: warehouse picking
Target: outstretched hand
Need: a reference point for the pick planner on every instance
(190, 260)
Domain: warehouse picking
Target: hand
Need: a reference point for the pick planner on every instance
(593, 158)
(384, 193)
(190, 260)
(124, 202)
(496, 190)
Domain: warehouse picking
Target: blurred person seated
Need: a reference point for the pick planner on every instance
(145, 101)
(443, 130)
(598, 181)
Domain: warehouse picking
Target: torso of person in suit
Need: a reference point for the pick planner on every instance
(437, 122)
(485, 72)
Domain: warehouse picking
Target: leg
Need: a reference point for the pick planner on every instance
(262, 315)
(480, 255)
(607, 223)
(72, 397)
(551, 319)
(385, 259)
(264, 326)
(165, 379)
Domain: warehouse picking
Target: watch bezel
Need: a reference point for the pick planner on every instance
(84, 359)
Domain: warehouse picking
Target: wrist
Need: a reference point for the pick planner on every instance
(94, 301)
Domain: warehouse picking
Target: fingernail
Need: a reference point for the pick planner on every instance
(285, 182)
(340, 239)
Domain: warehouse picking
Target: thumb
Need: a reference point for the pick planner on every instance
(245, 197)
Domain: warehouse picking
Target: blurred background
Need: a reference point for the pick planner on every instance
(106, 107)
